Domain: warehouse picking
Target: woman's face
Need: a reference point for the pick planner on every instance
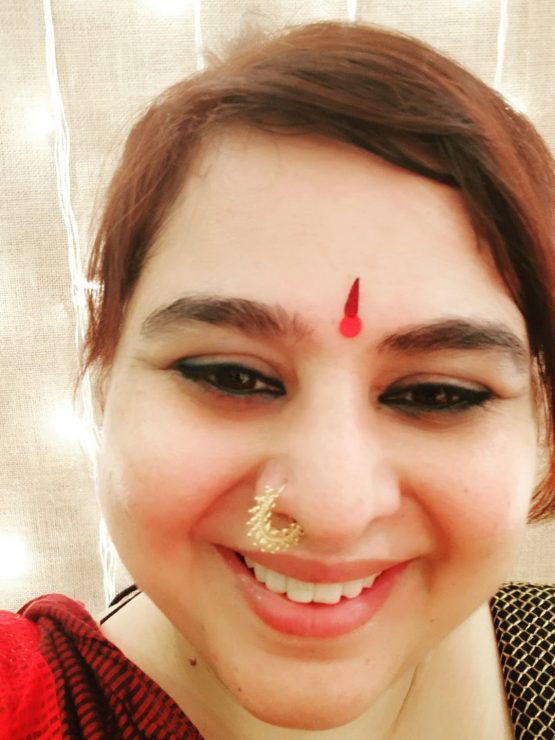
(412, 443)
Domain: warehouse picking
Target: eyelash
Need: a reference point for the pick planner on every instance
(454, 398)
(206, 374)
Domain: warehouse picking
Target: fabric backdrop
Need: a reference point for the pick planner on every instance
(111, 58)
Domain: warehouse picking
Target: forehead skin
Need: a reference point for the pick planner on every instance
(257, 209)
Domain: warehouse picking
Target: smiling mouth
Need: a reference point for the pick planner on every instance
(305, 592)
(325, 608)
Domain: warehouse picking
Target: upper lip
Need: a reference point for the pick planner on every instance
(315, 571)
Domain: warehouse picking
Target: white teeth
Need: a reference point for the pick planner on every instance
(260, 572)
(369, 580)
(304, 592)
(327, 593)
(300, 591)
(276, 582)
(352, 589)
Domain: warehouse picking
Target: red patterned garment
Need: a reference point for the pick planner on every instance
(61, 678)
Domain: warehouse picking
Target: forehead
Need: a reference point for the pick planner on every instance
(299, 217)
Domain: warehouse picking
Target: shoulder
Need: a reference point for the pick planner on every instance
(524, 620)
(56, 607)
(26, 682)
(526, 589)
(28, 699)
(18, 642)
(525, 608)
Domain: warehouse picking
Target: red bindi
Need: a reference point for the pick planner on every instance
(350, 324)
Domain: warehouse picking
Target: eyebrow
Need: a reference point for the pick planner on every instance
(249, 317)
(459, 334)
(273, 321)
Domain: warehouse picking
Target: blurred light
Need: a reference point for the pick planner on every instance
(517, 103)
(67, 427)
(501, 42)
(352, 9)
(197, 20)
(14, 556)
(167, 7)
(91, 286)
(40, 122)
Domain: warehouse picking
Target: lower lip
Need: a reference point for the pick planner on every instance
(312, 620)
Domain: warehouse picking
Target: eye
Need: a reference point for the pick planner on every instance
(428, 398)
(230, 379)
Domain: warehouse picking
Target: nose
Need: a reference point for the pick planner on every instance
(341, 474)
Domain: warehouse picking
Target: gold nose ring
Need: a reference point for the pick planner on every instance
(259, 525)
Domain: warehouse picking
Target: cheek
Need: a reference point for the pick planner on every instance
(163, 479)
(479, 501)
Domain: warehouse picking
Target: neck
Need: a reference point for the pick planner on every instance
(411, 707)
(196, 689)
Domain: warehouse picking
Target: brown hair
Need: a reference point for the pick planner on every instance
(381, 91)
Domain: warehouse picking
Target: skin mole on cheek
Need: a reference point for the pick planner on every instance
(192, 662)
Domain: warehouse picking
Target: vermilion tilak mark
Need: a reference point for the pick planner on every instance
(350, 324)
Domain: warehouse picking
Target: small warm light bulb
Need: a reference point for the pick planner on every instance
(40, 122)
(14, 556)
(65, 425)
(517, 103)
(352, 9)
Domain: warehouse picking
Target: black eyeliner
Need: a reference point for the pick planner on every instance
(470, 398)
(200, 371)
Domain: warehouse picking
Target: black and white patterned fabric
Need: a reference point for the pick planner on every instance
(524, 621)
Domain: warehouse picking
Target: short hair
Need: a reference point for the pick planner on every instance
(376, 89)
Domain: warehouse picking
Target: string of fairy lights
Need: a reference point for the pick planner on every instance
(79, 287)
(501, 42)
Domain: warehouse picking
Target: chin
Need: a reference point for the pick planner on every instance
(304, 710)
(308, 719)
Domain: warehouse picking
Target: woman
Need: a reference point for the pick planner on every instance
(325, 345)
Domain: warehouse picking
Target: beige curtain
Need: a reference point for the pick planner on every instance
(112, 57)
